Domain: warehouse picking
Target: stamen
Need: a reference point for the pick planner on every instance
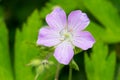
(65, 35)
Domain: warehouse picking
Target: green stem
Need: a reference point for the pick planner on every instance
(57, 71)
(70, 72)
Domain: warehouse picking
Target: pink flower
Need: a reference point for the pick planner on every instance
(65, 34)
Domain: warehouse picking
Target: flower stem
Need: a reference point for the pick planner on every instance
(70, 73)
(57, 71)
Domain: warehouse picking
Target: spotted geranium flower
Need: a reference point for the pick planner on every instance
(65, 34)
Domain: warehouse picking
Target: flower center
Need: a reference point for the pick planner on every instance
(65, 35)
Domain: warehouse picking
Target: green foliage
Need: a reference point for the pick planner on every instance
(100, 66)
(96, 30)
(77, 50)
(25, 47)
(104, 26)
(108, 31)
(118, 72)
(5, 64)
(49, 70)
(40, 66)
(26, 50)
(74, 65)
(61, 3)
(108, 16)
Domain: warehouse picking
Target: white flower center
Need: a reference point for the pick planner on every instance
(65, 35)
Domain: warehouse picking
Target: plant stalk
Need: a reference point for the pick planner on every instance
(70, 73)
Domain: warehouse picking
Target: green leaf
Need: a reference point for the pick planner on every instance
(96, 30)
(25, 47)
(5, 64)
(110, 68)
(27, 50)
(107, 15)
(61, 3)
(89, 68)
(118, 72)
(100, 66)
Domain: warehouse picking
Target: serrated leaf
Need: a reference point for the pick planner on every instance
(100, 63)
(89, 68)
(5, 64)
(111, 60)
(107, 14)
(24, 51)
(27, 50)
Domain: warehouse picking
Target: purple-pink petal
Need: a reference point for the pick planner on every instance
(64, 53)
(77, 20)
(57, 19)
(83, 40)
(64, 35)
(48, 37)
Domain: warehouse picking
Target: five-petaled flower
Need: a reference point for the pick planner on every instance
(65, 34)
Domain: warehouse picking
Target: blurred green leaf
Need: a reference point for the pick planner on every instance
(108, 16)
(118, 72)
(96, 30)
(110, 68)
(25, 47)
(100, 66)
(27, 50)
(61, 3)
(89, 67)
(5, 64)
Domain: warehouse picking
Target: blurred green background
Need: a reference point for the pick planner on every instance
(20, 21)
